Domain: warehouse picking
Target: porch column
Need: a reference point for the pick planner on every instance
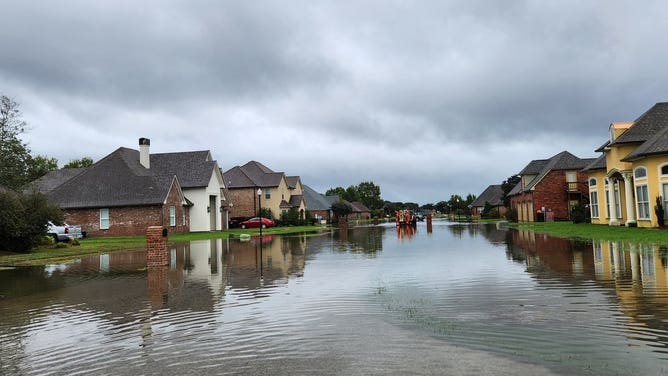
(613, 203)
(628, 196)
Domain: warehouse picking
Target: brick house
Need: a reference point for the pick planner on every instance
(117, 196)
(360, 211)
(492, 195)
(124, 192)
(549, 188)
(280, 193)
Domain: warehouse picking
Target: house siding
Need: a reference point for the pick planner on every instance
(244, 202)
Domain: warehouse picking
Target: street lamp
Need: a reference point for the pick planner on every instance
(259, 202)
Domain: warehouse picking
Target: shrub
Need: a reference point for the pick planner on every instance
(578, 214)
(23, 220)
(511, 215)
(61, 245)
(658, 210)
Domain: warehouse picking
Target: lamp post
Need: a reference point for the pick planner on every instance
(259, 202)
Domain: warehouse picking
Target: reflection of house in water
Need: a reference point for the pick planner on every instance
(367, 240)
(634, 275)
(558, 254)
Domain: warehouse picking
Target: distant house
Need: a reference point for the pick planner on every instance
(319, 205)
(550, 188)
(279, 193)
(129, 190)
(632, 172)
(360, 211)
(492, 195)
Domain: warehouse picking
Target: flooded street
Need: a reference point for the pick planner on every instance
(463, 299)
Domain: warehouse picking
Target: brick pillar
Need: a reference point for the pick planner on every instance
(156, 247)
(429, 228)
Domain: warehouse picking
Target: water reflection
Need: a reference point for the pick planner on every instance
(634, 276)
(364, 240)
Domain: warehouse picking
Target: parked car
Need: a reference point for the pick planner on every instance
(64, 233)
(256, 222)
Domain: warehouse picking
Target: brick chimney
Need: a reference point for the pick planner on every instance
(144, 156)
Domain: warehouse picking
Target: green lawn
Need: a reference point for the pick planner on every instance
(53, 255)
(600, 232)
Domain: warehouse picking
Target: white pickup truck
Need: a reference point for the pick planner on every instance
(64, 233)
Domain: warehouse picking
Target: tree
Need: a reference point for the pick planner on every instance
(79, 163)
(341, 209)
(369, 194)
(23, 220)
(508, 186)
(14, 154)
(338, 191)
(39, 166)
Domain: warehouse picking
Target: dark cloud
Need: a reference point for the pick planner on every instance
(426, 98)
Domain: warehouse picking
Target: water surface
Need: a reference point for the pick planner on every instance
(463, 299)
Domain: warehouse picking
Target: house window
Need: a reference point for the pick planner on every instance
(104, 219)
(172, 216)
(664, 170)
(267, 193)
(592, 182)
(571, 176)
(183, 214)
(642, 198)
(593, 204)
(640, 172)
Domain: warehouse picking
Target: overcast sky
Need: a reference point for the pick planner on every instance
(425, 98)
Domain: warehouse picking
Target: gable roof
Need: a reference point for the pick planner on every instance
(254, 175)
(492, 194)
(560, 161)
(292, 181)
(646, 126)
(296, 200)
(194, 168)
(116, 180)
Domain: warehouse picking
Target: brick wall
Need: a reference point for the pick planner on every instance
(551, 193)
(156, 247)
(244, 202)
(131, 220)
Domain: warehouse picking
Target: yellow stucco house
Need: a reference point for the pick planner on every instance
(626, 181)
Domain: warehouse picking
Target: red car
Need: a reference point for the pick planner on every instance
(255, 223)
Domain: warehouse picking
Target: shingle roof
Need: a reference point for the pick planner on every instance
(254, 174)
(292, 181)
(315, 200)
(358, 207)
(657, 144)
(516, 189)
(296, 200)
(598, 164)
(646, 126)
(53, 179)
(561, 161)
(194, 168)
(116, 180)
(492, 194)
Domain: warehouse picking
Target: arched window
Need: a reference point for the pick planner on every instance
(640, 172)
(592, 182)
(664, 169)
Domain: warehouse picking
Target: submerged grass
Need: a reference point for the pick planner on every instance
(89, 246)
(600, 232)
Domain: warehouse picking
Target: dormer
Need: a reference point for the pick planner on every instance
(616, 129)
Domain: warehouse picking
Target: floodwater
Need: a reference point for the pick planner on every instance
(462, 299)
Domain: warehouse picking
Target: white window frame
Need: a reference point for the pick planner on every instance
(661, 170)
(267, 193)
(104, 219)
(593, 204)
(172, 216)
(642, 203)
